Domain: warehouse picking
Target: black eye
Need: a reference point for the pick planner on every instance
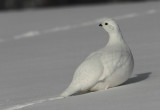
(106, 23)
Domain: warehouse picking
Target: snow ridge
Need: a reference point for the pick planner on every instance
(84, 24)
(17, 107)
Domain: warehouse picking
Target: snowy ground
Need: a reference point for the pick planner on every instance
(40, 49)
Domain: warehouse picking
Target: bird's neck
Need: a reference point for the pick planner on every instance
(115, 38)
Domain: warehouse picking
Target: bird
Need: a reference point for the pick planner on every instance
(108, 67)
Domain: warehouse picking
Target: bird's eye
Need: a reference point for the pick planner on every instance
(106, 23)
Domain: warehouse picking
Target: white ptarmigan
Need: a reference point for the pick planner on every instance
(105, 68)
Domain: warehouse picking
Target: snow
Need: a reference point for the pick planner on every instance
(41, 67)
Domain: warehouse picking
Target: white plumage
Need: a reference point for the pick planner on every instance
(105, 68)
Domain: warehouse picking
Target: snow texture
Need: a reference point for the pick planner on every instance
(36, 69)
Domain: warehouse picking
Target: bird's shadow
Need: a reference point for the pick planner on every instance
(136, 79)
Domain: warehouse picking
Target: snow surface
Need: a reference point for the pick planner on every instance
(40, 62)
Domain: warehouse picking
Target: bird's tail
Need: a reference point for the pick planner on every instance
(71, 90)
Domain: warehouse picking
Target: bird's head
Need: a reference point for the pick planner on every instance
(109, 25)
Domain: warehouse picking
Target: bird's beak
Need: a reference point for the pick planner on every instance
(100, 25)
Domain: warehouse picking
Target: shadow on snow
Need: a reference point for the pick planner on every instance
(137, 78)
